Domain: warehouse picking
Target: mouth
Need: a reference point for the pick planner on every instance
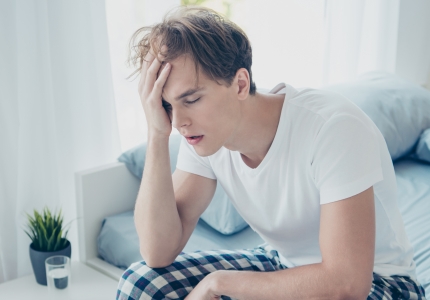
(195, 139)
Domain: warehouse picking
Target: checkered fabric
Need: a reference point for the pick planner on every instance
(178, 279)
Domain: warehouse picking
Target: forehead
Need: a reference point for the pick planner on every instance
(182, 77)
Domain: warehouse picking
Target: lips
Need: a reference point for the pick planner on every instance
(194, 139)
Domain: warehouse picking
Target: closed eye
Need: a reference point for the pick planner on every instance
(191, 102)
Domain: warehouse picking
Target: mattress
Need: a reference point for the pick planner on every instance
(118, 241)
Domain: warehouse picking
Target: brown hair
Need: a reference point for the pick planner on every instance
(216, 45)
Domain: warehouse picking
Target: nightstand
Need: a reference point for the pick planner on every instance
(87, 284)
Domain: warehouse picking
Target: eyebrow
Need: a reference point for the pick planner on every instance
(189, 92)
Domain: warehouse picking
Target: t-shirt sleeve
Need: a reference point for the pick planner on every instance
(345, 158)
(190, 161)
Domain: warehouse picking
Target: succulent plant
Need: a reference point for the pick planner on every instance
(46, 231)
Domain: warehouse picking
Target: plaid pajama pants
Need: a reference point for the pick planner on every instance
(178, 279)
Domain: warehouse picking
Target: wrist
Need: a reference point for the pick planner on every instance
(216, 281)
(157, 136)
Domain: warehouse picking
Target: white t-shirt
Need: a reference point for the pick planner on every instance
(325, 149)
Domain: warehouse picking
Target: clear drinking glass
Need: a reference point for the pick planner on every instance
(58, 275)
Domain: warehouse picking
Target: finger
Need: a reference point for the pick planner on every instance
(161, 58)
(149, 57)
(161, 80)
(151, 74)
(163, 51)
(146, 62)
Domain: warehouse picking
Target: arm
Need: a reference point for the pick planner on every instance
(167, 207)
(347, 242)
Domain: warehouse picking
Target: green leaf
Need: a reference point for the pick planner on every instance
(44, 237)
(37, 215)
(45, 229)
(49, 246)
(65, 235)
(58, 232)
(53, 239)
(39, 242)
(58, 241)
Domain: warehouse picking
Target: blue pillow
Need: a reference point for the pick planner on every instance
(134, 158)
(423, 147)
(118, 243)
(220, 214)
(400, 109)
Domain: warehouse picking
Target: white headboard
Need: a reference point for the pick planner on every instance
(101, 192)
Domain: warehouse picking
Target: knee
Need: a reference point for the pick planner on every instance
(138, 274)
(135, 281)
(140, 281)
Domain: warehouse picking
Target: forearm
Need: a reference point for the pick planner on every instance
(305, 282)
(156, 215)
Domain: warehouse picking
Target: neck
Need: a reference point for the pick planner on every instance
(259, 119)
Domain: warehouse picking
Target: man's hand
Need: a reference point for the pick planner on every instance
(150, 89)
(205, 289)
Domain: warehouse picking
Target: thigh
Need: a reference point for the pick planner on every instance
(395, 288)
(178, 279)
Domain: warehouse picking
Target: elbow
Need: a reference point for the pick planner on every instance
(356, 291)
(155, 261)
(156, 264)
(351, 285)
(355, 295)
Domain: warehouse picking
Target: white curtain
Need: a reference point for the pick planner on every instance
(413, 46)
(286, 39)
(123, 19)
(369, 35)
(57, 113)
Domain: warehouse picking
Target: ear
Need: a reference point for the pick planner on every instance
(242, 83)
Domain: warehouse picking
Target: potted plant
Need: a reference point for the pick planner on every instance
(46, 233)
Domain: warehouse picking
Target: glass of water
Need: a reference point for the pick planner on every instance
(58, 275)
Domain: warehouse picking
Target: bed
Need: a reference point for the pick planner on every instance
(110, 191)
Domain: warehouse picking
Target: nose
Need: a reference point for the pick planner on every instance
(179, 119)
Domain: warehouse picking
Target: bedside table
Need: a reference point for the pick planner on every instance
(86, 284)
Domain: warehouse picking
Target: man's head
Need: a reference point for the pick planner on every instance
(217, 46)
(212, 58)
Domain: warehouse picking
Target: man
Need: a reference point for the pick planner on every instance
(307, 169)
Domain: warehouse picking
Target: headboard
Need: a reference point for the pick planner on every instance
(101, 192)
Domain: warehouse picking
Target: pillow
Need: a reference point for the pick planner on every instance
(220, 214)
(400, 109)
(134, 158)
(118, 242)
(423, 147)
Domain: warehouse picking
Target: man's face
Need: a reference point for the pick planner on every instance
(214, 115)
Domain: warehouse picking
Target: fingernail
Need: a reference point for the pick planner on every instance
(167, 66)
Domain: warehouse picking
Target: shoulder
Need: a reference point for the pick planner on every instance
(323, 103)
(327, 109)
